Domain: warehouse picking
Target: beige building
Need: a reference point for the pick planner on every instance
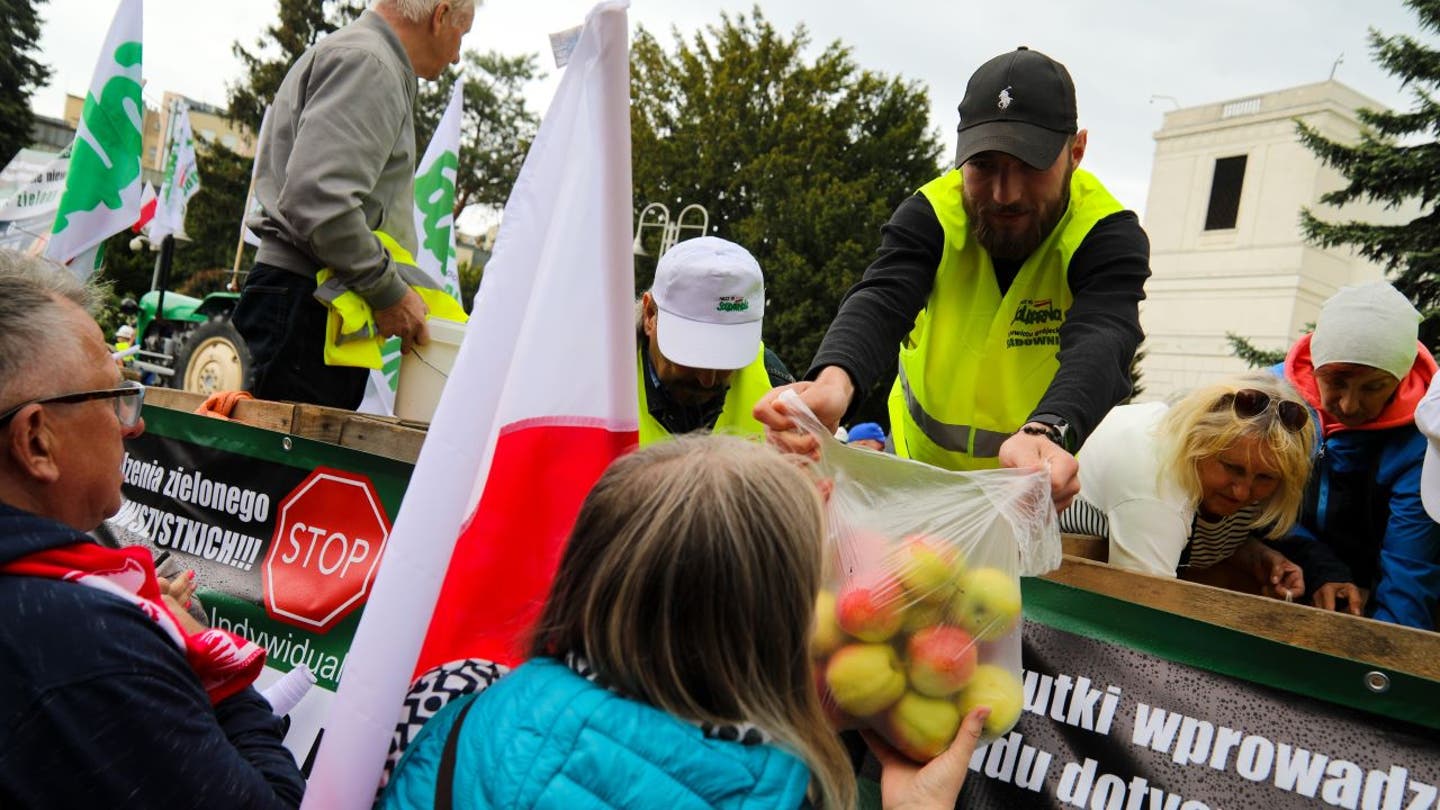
(206, 121)
(1223, 216)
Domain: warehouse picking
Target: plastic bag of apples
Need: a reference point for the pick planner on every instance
(919, 620)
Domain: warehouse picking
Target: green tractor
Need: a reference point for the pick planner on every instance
(185, 342)
(192, 345)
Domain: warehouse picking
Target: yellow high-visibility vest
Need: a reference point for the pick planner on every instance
(976, 364)
(747, 386)
(351, 337)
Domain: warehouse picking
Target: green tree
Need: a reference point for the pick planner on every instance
(801, 160)
(20, 73)
(1254, 356)
(496, 128)
(1397, 159)
(298, 25)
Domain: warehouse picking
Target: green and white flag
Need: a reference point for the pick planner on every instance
(435, 197)
(435, 226)
(182, 176)
(103, 187)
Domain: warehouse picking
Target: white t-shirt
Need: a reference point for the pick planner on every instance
(1148, 521)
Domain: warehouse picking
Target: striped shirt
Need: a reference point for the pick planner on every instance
(1210, 542)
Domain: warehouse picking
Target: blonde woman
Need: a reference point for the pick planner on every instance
(1188, 486)
(669, 665)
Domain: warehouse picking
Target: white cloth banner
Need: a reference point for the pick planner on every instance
(33, 183)
(558, 293)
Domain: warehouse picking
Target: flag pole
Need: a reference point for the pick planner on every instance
(234, 285)
(240, 241)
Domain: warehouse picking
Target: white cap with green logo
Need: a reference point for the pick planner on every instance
(711, 296)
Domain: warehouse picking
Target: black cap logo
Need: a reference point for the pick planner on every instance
(1005, 99)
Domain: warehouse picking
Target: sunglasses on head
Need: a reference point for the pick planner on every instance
(1249, 403)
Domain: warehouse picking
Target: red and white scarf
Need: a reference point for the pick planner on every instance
(225, 663)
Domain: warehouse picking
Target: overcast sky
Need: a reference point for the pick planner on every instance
(1123, 54)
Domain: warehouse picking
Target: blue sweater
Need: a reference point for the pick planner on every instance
(544, 737)
(1363, 505)
(100, 708)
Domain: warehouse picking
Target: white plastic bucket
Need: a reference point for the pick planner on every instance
(424, 370)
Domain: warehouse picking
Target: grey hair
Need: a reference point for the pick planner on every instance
(420, 10)
(31, 289)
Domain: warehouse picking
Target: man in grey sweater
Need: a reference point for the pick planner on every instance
(337, 164)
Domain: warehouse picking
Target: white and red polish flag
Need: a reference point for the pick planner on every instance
(540, 400)
(148, 198)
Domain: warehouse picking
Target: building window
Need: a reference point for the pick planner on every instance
(1225, 193)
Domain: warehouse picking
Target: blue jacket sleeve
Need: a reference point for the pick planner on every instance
(1409, 583)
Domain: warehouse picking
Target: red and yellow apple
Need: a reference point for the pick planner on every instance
(865, 679)
(871, 611)
(941, 660)
(928, 567)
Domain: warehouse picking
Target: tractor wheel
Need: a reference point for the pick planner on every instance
(214, 358)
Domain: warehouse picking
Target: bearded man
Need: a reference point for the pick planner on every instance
(1010, 285)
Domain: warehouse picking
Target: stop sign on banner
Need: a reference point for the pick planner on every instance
(329, 535)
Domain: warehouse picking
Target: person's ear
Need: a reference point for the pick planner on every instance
(442, 16)
(31, 444)
(1077, 147)
(651, 313)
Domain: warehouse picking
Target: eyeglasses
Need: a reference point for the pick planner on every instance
(128, 398)
(1249, 403)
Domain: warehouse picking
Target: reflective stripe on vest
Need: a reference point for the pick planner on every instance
(351, 337)
(955, 438)
(747, 386)
(976, 363)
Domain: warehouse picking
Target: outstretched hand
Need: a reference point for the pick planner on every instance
(905, 785)
(827, 396)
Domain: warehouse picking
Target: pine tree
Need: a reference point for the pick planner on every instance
(1254, 356)
(1137, 386)
(20, 73)
(299, 24)
(1397, 159)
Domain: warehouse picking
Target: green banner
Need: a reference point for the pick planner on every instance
(284, 535)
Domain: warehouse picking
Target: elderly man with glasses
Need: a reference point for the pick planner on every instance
(114, 697)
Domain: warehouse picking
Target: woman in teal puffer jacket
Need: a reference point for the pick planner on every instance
(670, 665)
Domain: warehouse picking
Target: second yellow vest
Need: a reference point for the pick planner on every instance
(747, 386)
(351, 337)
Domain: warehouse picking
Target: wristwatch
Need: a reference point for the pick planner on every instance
(1057, 429)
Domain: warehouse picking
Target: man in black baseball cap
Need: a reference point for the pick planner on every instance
(1021, 103)
(1009, 285)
